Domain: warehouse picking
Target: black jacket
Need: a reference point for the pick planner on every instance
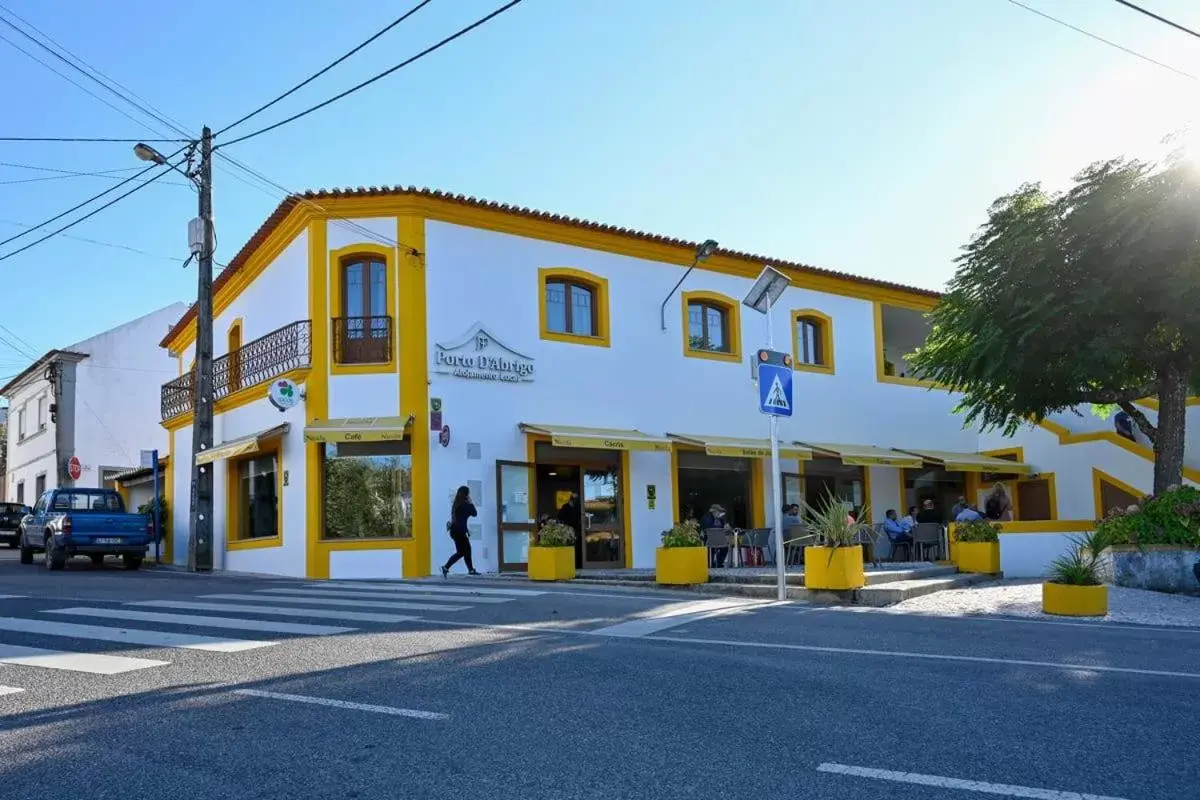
(459, 517)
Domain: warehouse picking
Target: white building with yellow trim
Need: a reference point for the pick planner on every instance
(440, 341)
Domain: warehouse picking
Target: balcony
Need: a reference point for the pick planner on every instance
(362, 340)
(256, 362)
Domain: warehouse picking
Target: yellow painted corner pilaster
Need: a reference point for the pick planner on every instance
(316, 404)
(167, 549)
(414, 382)
(627, 495)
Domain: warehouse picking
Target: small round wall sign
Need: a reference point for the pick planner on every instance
(283, 394)
(444, 436)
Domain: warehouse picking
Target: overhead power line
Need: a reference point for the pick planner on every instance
(68, 173)
(1108, 42)
(432, 48)
(88, 215)
(85, 139)
(98, 242)
(1154, 16)
(65, 171)
(330, 66)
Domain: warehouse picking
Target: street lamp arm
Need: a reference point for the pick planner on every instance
(663, 309)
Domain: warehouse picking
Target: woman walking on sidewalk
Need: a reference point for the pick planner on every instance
(460, 511)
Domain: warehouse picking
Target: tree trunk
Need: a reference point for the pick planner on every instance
(1172, 425)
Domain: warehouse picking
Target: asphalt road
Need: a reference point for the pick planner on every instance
(145, 685)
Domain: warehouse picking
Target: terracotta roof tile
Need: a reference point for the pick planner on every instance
(285, 207)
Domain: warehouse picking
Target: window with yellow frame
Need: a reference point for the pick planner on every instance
(362, 305)
(812, 341)
(254, 489)
(573, 307)
(712, 326)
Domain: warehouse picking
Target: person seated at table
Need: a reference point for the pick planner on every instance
(898, 531)
(968, 514)
(791, 515)
(928, 512)
(910, 519)
(715, 518)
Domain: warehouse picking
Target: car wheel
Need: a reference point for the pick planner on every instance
(97, 559)
(54, 559)
(26, 551)
(132, 562)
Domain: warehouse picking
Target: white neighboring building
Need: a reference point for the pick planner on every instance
(96, 401)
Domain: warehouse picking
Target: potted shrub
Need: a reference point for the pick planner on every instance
(977, 547)
(683, 558)
(552, 552)
(1156, 543)
(838, 563)
(1074, 585)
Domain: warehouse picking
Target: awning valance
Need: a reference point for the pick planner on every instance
(741, 447)
(861, 455)
(358, 429)
(598, 438)
(972, 462)
(243, 445)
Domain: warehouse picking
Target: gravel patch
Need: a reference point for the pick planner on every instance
(1024, 599)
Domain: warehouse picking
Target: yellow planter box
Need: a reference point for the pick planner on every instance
(977, 557)
(834, 568)
(1074, 601)
(551, 563)
(681, 566)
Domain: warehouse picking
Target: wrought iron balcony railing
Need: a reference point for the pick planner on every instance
(256, 362)
(362, 340)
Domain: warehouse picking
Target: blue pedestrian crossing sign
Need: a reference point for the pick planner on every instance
(774, 383)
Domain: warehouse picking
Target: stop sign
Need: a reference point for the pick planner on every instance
(74, 468)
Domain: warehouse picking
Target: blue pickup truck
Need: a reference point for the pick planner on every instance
(84, 522)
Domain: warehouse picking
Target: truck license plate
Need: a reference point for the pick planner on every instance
(107, 540)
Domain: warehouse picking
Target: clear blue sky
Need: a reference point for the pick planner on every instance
(867, 136)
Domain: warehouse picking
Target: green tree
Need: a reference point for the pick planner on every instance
(1091, 295)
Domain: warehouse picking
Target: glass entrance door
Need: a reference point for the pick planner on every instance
(516, 483)
(603, 518)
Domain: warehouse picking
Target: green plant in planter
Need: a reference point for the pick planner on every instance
(976, 531)
(553, 534)
(832, 523)
(683, 534)
(1081, 566)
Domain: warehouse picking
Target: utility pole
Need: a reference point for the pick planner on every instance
(200, 545)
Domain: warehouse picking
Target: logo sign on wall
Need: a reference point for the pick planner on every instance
(480, 356)
(74, 468)
(283, 394)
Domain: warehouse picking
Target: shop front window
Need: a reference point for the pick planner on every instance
(705, 481)
(367, 490)
(828, 476)
(257, 498)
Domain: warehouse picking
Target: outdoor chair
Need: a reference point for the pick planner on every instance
(715, 538)
(926, 536)
(759, 541)
(893, 547)
(795, 539)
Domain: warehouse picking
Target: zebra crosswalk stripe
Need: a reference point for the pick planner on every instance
(93, 663)
(384, 595)
(331, 601)
(275, 611)
(9, 690)
(130, 635)
(267, 626)
(428, 587)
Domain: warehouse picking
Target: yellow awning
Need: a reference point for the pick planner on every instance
(741, 447)
(972, 462)
(862, 455)
(598, 438)
(357, 429)
(243, 445)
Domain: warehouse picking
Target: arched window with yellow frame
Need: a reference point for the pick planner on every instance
(573, 307)
(234, 355)
(812, 341)
(712, 326)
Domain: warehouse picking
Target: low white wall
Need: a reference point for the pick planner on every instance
(365, 564)
(1028, 555)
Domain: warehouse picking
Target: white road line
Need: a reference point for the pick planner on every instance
(276, 611)
(432, 586)
(322, 601)
(677, 614)
(321, 701)
(547, 630)
(9, 690)
(1119, 627)
(94, 663)
(267, 626)
(12, 596)
(1002, 789)
(430, 598)
(130, 636)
